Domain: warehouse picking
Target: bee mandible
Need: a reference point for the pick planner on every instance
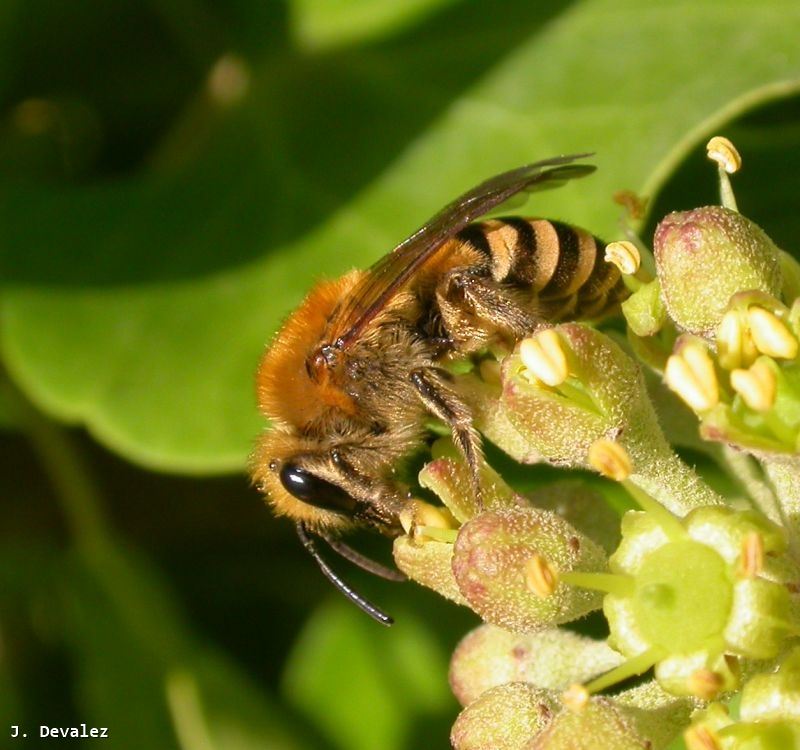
(354, 373)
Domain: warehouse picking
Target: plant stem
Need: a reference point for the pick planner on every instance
(660, 473)
(76, 491)
(744, 469)
(784, 473)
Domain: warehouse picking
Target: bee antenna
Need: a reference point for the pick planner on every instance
(360, 602)
(362, 561)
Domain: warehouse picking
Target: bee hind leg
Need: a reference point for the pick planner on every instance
(443, 402)
(499, 307)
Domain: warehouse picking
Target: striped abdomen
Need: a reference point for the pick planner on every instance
(562, 265)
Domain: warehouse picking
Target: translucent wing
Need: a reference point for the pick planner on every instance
(386, 277)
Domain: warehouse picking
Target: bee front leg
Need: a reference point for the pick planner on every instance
(443, 402)
(378, 502)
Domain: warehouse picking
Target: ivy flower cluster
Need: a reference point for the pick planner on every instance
(700, 589)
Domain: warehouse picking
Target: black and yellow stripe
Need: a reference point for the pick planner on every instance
(562, 265)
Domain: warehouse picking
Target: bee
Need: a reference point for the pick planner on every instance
(354, 373)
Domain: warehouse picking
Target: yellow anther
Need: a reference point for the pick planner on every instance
(540, 578)
(691, 375)
(419, 518)
(770, 334)
(705, 684)
(624, 255)
(544, 356)
(756, 386)
(575, 698)
(700, 738)
(735, 346)
(751, 562)
(610, 459)
(722, 151)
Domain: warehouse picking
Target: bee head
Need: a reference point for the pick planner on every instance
(302, 483)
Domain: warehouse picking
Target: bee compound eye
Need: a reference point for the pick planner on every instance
(314, 490)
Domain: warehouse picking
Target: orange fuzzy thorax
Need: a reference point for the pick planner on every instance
(286, 394)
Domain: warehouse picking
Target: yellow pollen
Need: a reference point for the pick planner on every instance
(724, 153)
(751, 562)
(771, 336)
(691, 375)
(575, 698)
(705, 684)
(624, 255)
(610, 459)
(544, 356)
(756, 386)
(540, 578)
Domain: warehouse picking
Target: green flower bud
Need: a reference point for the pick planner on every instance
(429, 563)
(601, 396)
(658, 715)
(506, 564)
(790, 272)
(601, 723)
(772, 735)
(552, 659)
(769, 714)
(449, 477)
(706, 255)
(504, 718)
(492, 419)
(583, 507)
(644, 310)
(774, 696)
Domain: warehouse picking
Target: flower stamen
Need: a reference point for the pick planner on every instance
(691, 375)
(544, 356)
(770, 334)
(756, 386)
(540, 577)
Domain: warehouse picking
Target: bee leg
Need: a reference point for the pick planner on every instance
(379, 502)
(443, 402)
(488, 300)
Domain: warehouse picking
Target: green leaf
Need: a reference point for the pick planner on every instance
(140, 307)
(26, 598)
(394, 678)
(319, 24)
(131, 648)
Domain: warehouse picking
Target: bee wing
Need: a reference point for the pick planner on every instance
(386, 277)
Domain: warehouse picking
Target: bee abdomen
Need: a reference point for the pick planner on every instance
(562, 265)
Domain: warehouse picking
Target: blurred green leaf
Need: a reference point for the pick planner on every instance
(8, 419)
(144, 674)
(10, 706)
(324, 23)
(140, 307)
(363, 686)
